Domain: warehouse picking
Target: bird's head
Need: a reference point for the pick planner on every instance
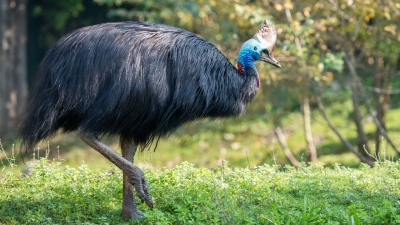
(259, 48)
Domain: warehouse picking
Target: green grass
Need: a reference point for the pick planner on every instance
(185, 194)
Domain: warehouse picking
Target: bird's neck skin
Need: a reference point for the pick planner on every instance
(245, 65)
(245, 60)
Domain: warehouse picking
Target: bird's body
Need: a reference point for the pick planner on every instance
(100, 82)
(140, 81)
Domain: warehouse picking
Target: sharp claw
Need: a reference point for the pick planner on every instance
(149, 203)
(139, 191)
(141, 188)
(148, 200)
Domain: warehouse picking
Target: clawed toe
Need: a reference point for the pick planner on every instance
(141, 187)
(134, 215)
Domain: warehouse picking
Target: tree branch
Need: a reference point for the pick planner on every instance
(285, 148)
(382, 91)
(335, 130)
(353, 72)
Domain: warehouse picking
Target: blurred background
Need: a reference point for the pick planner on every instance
(335, 100)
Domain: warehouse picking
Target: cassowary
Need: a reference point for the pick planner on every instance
(140, 81)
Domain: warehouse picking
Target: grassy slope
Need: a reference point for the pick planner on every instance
(55, 194)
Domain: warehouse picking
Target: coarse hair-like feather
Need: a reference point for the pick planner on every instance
(138, 80)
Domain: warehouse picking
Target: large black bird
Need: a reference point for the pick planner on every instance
(140, 81)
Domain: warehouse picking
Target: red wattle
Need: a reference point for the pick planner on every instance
(240, 68)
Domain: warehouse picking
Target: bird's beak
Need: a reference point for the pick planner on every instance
(269, 58)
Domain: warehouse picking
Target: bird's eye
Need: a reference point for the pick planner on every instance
(255, 48)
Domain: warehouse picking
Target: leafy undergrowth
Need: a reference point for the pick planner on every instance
(57, 194)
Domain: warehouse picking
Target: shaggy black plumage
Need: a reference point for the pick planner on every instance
(135, 79)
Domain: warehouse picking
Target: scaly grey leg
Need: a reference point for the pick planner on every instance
(129, 210)
(133, 174)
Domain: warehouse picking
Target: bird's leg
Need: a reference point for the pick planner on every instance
(134, 175)
(128, 150)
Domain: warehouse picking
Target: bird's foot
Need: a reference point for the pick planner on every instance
(138, 180)
(134, 215)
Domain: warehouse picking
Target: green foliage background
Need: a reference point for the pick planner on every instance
(312, 38)
(247, 184)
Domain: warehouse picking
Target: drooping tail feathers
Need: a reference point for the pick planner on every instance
(40, 117)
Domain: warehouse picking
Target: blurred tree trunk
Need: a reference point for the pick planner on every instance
(305, 101)
(311, 150)
(380, 99)
(13, 71)
(378, 83)
(362, 141)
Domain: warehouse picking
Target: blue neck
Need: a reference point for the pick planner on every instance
(246, 60)
(247, 55)
(247, 66)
